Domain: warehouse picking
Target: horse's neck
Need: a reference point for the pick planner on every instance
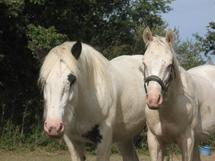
(95, 94)
(181, 85)
(91, 109)
(86, 113)
(176, 86)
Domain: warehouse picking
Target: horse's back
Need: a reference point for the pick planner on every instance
(127, 71)
(128, 61)
(128, 67)
(205, 71)
(131, 94)
(204, 78)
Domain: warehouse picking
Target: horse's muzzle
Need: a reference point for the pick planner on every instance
(53, 128)
(154, 100)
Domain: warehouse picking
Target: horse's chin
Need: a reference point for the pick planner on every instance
(55, 136)
(154, 107)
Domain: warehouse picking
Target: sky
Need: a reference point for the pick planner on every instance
(190, 16)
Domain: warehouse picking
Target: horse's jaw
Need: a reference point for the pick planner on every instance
(154, 107)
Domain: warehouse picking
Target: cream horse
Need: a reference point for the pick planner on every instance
(181, 104)
(90, 99)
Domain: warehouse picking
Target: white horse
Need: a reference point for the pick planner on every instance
(90, 99)
(181, 104)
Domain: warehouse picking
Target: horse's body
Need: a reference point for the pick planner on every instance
(181, 103)
(204, 79)
(127, 78)
(98, 101)
(175, 121)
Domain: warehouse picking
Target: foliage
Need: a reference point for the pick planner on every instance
(189, 54)
(42, 39)
(208, 42)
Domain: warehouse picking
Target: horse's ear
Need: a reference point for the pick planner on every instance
(170, 37)
(76, 49)
(147, 35)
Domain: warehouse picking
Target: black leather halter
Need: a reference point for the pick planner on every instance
(159, 81)
(156, 79)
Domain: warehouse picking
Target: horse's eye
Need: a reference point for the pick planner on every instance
(169, 66)
(71, 78)
(144, 65)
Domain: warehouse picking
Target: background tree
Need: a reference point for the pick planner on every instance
(208, 42)
(188, 52)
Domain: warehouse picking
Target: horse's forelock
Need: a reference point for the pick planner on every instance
(58, 53)
(159, 41)
(91, 64)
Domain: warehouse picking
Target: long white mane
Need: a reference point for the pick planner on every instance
(90, 68)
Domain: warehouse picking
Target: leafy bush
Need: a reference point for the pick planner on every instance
(41, 39)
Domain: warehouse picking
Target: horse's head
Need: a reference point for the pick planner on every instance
(59, 82)
(158, 64)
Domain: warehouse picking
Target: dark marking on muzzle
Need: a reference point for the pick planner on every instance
(93, 135)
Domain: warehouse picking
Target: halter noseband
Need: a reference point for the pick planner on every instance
(159, 81)
(156, 79)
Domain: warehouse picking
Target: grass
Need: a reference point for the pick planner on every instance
(43, 155)
(34, 156)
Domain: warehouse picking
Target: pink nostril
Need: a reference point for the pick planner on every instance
(160, 100)
(47, 128)
(159, 97)
(60, 127)
(50, 129)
